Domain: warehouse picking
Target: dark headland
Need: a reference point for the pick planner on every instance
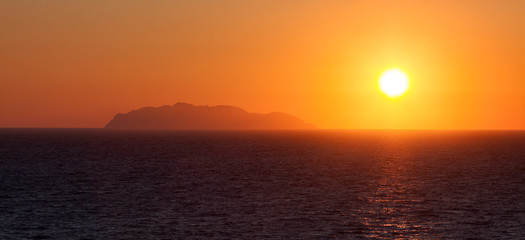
(187, 116)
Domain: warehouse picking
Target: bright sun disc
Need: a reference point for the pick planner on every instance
(393, 83)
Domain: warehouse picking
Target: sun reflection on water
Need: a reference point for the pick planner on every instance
(389, 205)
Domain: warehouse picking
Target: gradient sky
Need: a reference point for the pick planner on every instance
(76, 63)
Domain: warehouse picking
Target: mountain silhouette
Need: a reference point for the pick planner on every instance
(187, 116)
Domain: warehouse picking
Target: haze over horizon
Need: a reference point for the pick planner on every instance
(78, 63)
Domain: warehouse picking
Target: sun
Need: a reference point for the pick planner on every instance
(393, 83)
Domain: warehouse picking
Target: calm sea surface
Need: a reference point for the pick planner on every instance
(96, 184)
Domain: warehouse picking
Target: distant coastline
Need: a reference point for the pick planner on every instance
(191, 117)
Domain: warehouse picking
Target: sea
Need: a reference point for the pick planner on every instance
(315, 184)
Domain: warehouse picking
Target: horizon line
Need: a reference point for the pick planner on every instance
(285, 129)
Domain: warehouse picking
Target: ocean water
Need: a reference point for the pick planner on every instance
(97, 184)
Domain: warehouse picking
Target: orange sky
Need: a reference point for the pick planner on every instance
(76, 63)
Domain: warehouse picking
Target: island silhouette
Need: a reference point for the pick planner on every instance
(187, 116)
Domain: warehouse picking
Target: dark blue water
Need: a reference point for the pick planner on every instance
(96, 184)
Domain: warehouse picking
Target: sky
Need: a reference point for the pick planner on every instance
(77, 63)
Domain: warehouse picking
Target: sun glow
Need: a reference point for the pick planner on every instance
(393, 83)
